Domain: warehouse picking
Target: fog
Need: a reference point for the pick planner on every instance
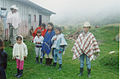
(77, 11)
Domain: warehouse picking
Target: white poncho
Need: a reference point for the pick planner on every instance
(20, 50)
(14, 19)
(85, 44)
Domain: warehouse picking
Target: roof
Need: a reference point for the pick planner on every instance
(36, 6)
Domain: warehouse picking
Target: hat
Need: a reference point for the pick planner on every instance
(14, 7)
(38, 31)
(86, 24)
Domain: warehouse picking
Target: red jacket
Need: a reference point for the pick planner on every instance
(39, 28)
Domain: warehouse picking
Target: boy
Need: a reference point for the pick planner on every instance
(59, 44)
(85, 45)
(38, 40)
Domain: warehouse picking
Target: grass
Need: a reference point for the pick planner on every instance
(70, 68)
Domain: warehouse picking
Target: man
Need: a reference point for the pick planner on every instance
(3, 17)
(13, 20)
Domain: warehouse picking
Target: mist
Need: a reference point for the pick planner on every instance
(69, 12)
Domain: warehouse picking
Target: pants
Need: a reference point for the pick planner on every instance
(19, 64)
(2, 73)
(13, 34)
(88, 62)
(59, 55)
(38, 52)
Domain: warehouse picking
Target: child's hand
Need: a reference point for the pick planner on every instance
(96, 54)
(55, 39)
(64, 53)
(39, 42)
(14, 58)
(25, 57)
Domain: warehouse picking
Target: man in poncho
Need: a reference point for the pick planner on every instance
(85, 45)
(13, 20)
(3, 16)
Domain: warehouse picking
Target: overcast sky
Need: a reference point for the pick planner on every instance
(78, 8)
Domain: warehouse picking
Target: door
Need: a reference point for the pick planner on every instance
(29, 21)
(40, 20)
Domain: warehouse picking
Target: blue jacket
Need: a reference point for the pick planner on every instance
(46, 47)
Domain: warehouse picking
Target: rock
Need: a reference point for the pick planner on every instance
(111, 52)
(117, 37)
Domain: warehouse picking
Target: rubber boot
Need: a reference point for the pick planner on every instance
(89, 71)
(37, 61)
(41, 60)
(54, 64)
(17, 72)
(20, 74)
(81, 72)
(50, 61)
(47, 60)
(60, 67)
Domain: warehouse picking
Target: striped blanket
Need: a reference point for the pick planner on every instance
(87, 44)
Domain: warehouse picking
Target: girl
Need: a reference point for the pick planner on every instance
(38, 46)
(86, 46)
(20, 52)
(59, 44)
(3, 61)
(46, 47)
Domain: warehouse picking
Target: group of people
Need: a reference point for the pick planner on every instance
(49, 44)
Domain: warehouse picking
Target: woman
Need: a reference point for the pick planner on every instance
(42, 28)
(46, 47)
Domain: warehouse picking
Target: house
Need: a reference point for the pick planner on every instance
(31, 15)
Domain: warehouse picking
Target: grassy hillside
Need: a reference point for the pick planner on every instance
(101, 68)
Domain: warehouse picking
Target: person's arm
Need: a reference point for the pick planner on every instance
(42, 40)
(35, 32)
(5, 60)
(34, 41)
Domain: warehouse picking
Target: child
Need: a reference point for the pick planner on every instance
(20, 52)
(38, 40)
(59, 44)
(46, 47)
(3, 61)
(86, 45)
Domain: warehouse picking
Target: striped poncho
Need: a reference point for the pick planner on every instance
(86, 44)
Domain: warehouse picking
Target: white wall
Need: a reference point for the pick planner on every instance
(24, 11)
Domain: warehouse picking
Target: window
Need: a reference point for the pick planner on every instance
(34, 18)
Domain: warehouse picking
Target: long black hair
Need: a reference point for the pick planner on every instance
(51, 24)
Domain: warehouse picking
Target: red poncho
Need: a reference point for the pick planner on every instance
(39, 28)
(86, 44)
